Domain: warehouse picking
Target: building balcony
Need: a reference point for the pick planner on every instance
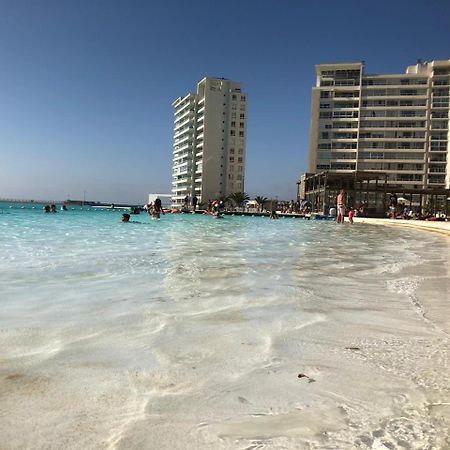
(182, 147)
(392, 138)
(182, 168)
(186, 148)
(343, 99)
(185, 138)
(394, 129)
(403, 160)
(390, 108)
(394, 96)
(184, 179)
(182, 158)
(182, 124)
(181, 107)
(439, 158)
(390, 150)
(187, 131)
(341, 139)
(344, 108)
(179, 163)
(178, 197)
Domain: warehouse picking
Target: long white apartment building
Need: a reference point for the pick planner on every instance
(209, 142)
(397, 124)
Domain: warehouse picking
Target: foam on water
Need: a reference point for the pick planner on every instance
(191, 333)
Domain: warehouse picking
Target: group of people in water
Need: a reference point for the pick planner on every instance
(52, 208)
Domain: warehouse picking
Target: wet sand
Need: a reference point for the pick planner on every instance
(423, 225)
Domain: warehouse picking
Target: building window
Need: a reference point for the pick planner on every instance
(241, 151)
(242, 98)
(231, 159)
(240, 159)
(238, 177)
(233, 124)
(234, 97)
(241, 124)
(242, 107)
(242, 116)
(232, 133)
(239, 169)
(241, 134)
(231, 151)
(233, 115)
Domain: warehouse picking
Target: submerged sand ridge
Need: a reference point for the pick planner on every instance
(198, 341)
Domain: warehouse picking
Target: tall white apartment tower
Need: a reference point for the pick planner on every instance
(209, 141)
(397, 124)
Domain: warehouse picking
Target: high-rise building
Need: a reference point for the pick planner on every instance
(209, 142)
(397, 124)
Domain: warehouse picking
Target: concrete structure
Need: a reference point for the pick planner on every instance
(394, 124)
(209, 142)
(165, 199)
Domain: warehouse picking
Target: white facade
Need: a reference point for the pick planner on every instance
(209, 142)
(396, 124)
(165, 199)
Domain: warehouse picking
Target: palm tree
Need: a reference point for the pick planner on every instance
(238, 198)
(261, 200)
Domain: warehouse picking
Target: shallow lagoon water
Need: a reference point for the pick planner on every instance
(191, 333)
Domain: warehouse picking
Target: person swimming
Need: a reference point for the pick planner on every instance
(126, 219)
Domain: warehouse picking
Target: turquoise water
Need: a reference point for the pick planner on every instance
(190, 332)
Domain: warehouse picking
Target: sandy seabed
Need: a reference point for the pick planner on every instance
(337, 340)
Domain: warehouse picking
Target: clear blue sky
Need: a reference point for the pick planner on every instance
(86, 86)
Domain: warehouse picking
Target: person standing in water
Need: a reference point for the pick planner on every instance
(340, 203)
(157, 208)
(194, 202)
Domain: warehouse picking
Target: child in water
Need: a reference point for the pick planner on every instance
(351, 213)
